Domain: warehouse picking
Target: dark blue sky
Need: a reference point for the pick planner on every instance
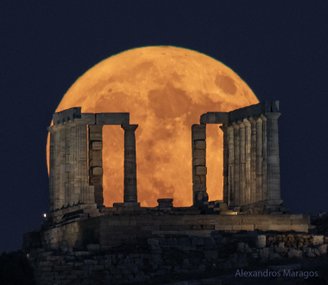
(280, 48)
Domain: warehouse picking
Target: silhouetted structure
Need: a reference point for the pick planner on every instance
(85, 239)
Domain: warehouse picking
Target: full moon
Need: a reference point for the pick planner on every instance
(165, 89)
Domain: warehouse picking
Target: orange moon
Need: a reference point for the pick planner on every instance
(165, 89)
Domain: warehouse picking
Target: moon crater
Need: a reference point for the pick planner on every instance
(226, 84)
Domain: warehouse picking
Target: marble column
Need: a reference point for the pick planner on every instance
(273, 196)
(61, 166)
(130, 165)
(230, 137)
(242, 171)
(52, 185)
(259, 159)
(68, 170)
(265, 160)
(247, 161)
(253, 161)
(199, 170)
(83, 185)
(225, 164)
(95, 163)
(236, 187)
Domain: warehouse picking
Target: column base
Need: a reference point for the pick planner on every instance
(131, 205)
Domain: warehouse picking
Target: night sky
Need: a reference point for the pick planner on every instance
(279, 49)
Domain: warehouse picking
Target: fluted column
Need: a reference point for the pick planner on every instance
(253, 161)
(61, 165)
(84, 161)
(230, 137)
(52, 184)
(225, 164)
(274, 198)
(259, 159)
(242, 149)
(247, 161)
(236, 165)
(130, 165)
(265, 160)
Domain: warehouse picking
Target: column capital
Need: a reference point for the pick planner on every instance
(223, 127)
(272, 115)
(259, 119)
(127, 127)
(235, 125)
(241, 124)
(246, 122)
(263, 117)
(252, 120)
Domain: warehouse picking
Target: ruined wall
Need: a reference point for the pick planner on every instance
(115, 230)
(165, 259)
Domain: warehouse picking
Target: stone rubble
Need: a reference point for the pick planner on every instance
(168, 257)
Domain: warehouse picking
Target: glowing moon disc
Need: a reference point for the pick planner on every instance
(165, 89)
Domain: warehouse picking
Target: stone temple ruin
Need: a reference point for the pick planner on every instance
(82, 240)
(76, 161)
(251, 157)
(251, 160)
(251, 175)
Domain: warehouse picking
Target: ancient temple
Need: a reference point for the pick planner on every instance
(78, 221)
(251, 160)
(251, 157)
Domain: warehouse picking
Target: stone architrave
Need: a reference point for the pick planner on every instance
(130, 165)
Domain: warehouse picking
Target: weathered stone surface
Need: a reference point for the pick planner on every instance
(96, 145)
(295, 253)
(130, 165)
(201, 170)
(323, 249)
(112, 118)
(261, 241)
(199, 161)
(97, 171)
(198, 132)
(318, 239)
(171, 254)
(201, 144)
(199, 153)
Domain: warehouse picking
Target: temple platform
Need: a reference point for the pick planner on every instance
(112, 230)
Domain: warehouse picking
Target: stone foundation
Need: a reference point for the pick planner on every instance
(165, 259)
(123, 226)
